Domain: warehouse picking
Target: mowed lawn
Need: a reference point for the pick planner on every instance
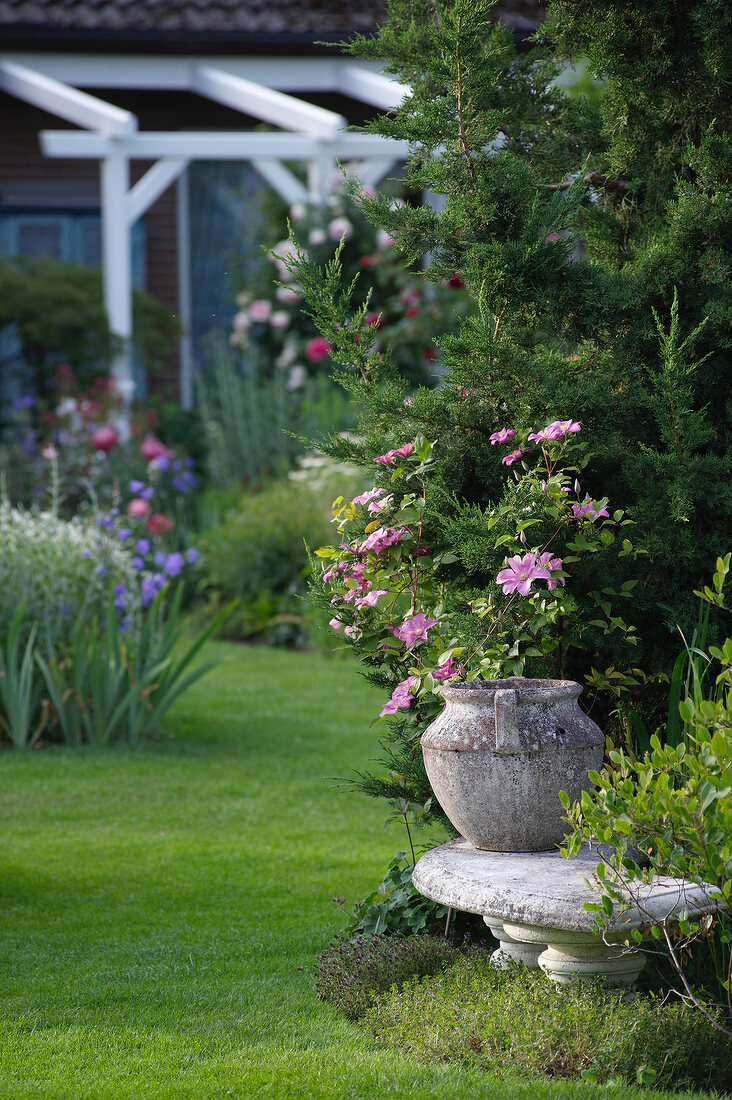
(161, 905)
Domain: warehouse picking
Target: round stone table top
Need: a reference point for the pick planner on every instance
(542, 888)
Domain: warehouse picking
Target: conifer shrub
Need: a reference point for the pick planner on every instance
(596, 244)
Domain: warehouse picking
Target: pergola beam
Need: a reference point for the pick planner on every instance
(211, 145)
(282, 179)
(65, 102)
(150, 187)
(370, 87)
(266, 103)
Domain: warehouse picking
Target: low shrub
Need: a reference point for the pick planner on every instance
(350, 972)
(514, 1021)
(258, 555)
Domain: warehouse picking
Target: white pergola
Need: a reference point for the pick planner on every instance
(258, 87)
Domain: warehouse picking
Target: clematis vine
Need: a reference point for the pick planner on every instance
(385, 576)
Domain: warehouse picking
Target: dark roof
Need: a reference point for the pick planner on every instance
(123, 23)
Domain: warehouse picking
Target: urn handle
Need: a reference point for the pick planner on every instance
(507, 734)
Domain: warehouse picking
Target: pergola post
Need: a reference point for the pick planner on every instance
(117, 268)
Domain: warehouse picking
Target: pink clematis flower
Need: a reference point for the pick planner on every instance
(520, 572)
(371, 598)
(502, 436)
(587, 509)
(377, 506)
(381, 538)
(508, 460)
(369, 495)
(553, 564)
(401, 452)
(445, 672)
(414, 629)
(556, 430)
(401, 696)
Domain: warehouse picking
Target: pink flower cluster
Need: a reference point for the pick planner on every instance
(400, 452)
(521, 571)
(556, 430)
(401, 696)
(382, 538)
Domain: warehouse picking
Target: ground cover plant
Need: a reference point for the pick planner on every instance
(159, 902)
(514, 1021)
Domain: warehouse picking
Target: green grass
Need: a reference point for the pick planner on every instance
(158, 902)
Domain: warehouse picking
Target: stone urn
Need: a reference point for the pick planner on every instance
(500, 753)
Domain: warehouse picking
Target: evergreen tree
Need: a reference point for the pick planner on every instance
(597, 244)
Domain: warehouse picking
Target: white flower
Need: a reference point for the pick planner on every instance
(316, 237)
(384, 240)
(260, 310)
(287, 295)
(287, 356)
(297, 377)
(340, 227)
(298, 211)
(280, 320)
(241, 321)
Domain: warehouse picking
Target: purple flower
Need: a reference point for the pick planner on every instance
(587, 509)
(180, 483)
(123, 533)
(192, 555)
(149, 590)
(86, 553)
(174, 564)
(105, 521)
(520, 572)
(142, 546)
(147, 493)
(66, 610)
(23, 402)
(414, 629)
(137, 563)
(177, 465)
(136, 486)
(162, 462)
(102, 571)
(160, 559)
(503, 435)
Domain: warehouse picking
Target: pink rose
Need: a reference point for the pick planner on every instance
(105, 438)
(151, 448)
(138, 507)
(317, 349)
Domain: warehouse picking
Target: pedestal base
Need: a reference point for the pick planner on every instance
(533, 902)
(580, 956)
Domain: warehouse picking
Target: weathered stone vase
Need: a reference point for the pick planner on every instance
(500, 753)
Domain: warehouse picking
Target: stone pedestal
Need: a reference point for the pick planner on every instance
(532, 902)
